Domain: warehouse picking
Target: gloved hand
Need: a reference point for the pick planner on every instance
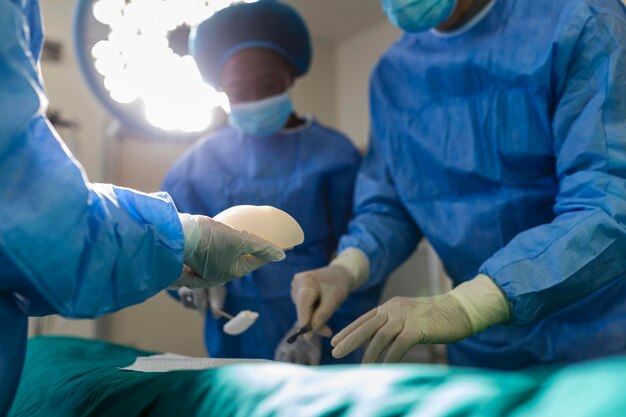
(216, 253)
(203, 299)
(304, 351)
(401, 323)
(317, 294)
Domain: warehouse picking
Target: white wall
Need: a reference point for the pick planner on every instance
(315, 92)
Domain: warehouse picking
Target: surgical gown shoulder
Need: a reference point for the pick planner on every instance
(226, 151)
(519, 44)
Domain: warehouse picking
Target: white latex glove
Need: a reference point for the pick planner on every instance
(395, 327)
(203, 299)
(317, 294)
(216, 253)
(304, 351)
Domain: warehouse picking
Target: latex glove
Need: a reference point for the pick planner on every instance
(203, 299)
(304, 351)
(216, 253)
(395, 327)
(317, 294)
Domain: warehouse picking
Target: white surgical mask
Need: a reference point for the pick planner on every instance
(262, 117)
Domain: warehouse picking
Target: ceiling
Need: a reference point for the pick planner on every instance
(337, 20)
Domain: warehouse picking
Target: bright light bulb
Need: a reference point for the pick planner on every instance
(101, 49)
(108, 11)
(109, 64)
(123, 96)
(138, 63)
(119, 85)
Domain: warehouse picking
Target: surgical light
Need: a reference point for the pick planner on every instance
(135, 57)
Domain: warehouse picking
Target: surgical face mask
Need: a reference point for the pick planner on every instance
(418, 15)
(263, 117)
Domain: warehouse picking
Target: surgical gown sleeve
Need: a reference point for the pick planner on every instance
(549, 267)
(85, 249)
(341, 193)
(382, 228)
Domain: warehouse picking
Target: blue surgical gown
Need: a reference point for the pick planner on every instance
(67, 246)
(308, 172)
(506, 147)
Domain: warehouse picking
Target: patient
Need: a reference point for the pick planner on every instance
(267, 155)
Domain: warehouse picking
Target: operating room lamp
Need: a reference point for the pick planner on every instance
(134, 57)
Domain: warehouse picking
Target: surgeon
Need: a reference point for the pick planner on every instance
(71, 247)
(268, 155)
(498, 133)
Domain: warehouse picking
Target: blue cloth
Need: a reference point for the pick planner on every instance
(263, 24)
(308, 172)
(506, 147)
(66, 246)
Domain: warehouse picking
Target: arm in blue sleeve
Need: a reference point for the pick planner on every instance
(549, 267)
(341, 192)
(87, 249)
(382, 228)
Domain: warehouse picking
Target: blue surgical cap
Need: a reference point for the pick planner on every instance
(264, 24)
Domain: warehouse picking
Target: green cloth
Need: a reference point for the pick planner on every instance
(74, 377)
